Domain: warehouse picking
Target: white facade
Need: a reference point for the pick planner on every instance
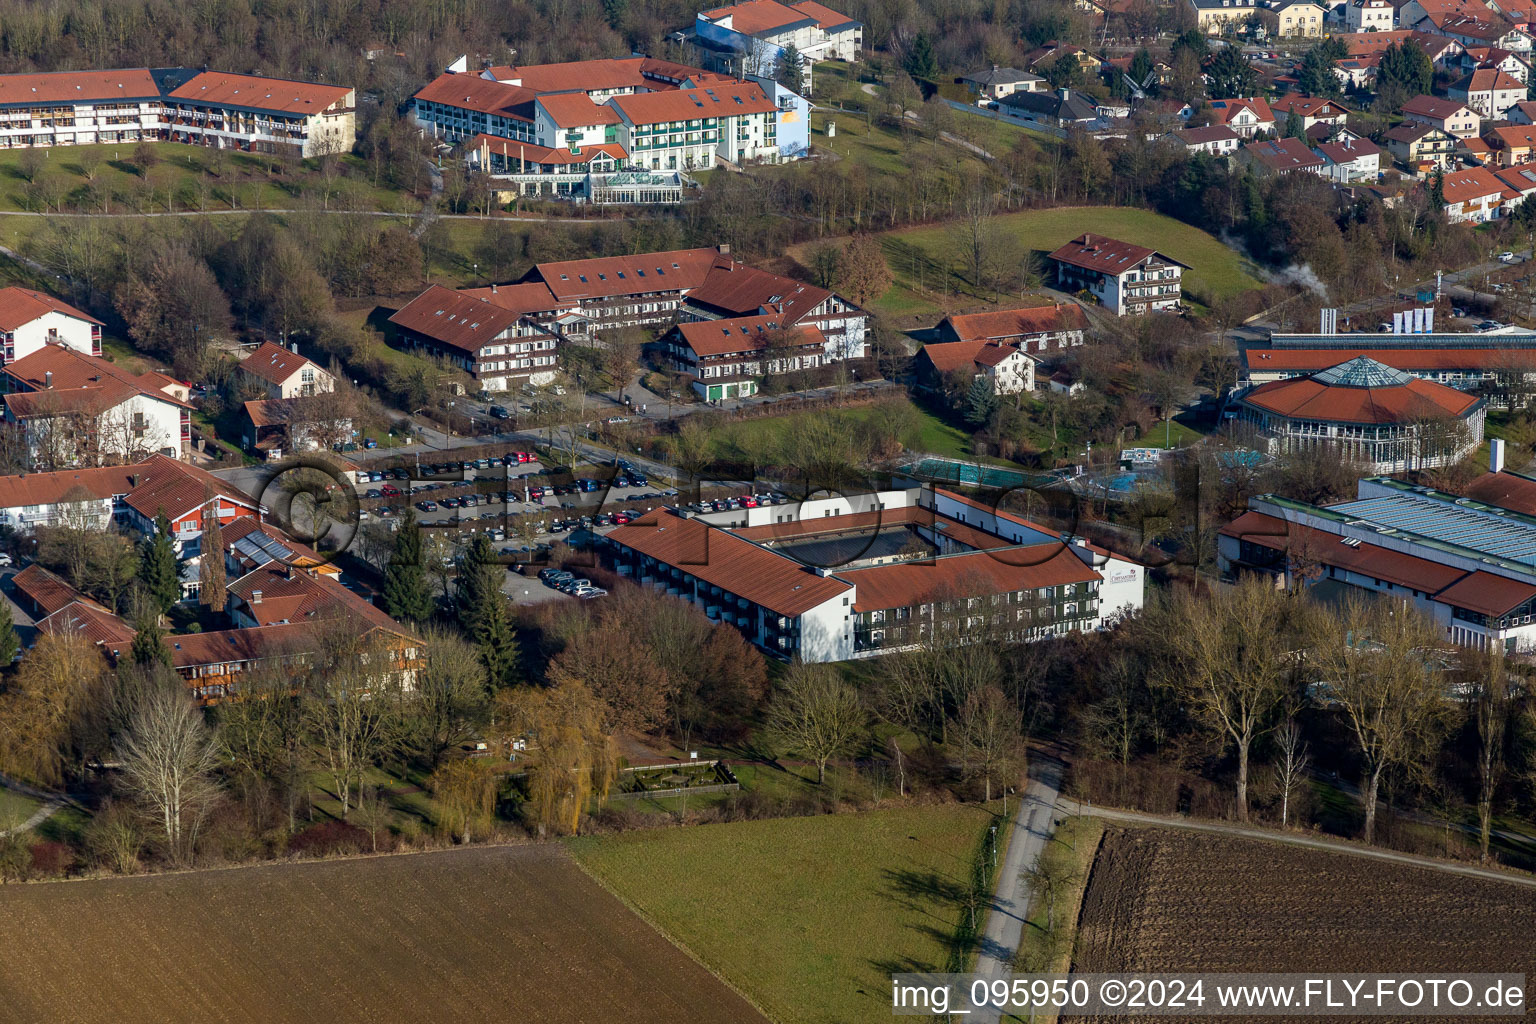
(1368, 15)
(52, 327)
(1013, 375)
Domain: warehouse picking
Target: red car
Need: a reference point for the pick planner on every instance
(390, 491)
(749, 502)
(523, 456)
(620, 518)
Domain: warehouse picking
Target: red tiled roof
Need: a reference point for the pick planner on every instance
(21, 306)
(741, 334)
(479, 94)
(527, 298)
(910, 515)
(78, 87)
(297, 595)
(1201, 136)
(826, 18)
(514, 150)
(92, 380)
(776, 582)
(740, 290)
(1307, 106)
(1105, 255)
(272, 412)
(1307, 399)
(177, 488)
(1283, 154)
(1348, 150)
(680, 270)
(1506, 490)
(755, 16)
(1487, 593)
(1488, 80)
(1017, 323)
(1435, 107)
(1224, 110)
(1472, 183)
(907, 583)
(272, 362)
(45, 590)
(1379, 563)
(91, 621)
(1512, 136)
(229, 646)
(467, 323)
(68, 484)
(575, 110)
(691, 104)
(252, 93)
(575, 76)
(948, 356)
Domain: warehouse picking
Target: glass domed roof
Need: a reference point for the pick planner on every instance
(1362, 373)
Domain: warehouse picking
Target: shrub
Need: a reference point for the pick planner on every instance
(329, 838)
(50, 858)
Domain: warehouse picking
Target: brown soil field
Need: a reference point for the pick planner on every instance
(1166, 900)
(486, 934)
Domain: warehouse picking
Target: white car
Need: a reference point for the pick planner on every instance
(1506, 257)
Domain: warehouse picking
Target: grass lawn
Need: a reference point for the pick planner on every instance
(15, 808)
(758, 435)
(836, 903)
(1046, 945)
(919, 257)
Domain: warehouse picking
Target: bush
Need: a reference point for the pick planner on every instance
(330, 838)
(51, 858)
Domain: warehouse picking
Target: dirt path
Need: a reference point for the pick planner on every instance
(1069, 806)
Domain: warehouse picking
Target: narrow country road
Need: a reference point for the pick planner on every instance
(1032, 829)
(51, 803)
(1069, 807)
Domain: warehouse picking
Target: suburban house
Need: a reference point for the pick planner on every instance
(31, 319)
(938, 562)
(81, 409)
(1245, 115)
(1357, 72)
(504, 336)
(1440, 50)
(996, 83)
(1521, 179)
(760, 31)
(1312, 110)
(1522, 113)
(1294, 19)
(277, 427)
(1491, 93)
(283, 373)
(1127, 279)
(1474, 58)
(1421, 147)
(1481, 31)
(1061, 108)
(1037, 329)
(1281, 156)
(205, 108)
(1474, 195)
(1449, 116)
(725, 359)
(1005, 365)
(1215, 139)
(1511, 145)
(1350, 160)
(1369, 15)
(1042, 57)
(1215, 16)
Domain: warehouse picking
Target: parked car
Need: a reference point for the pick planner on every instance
(390, 491)
(1506, 257)
(427, 506)
(450, 503)
(370, 443)
(500, 412)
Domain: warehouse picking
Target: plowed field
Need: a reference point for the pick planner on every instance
(1165, 900)
(486, 935)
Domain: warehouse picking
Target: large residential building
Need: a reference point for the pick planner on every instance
(206, 108)
(78, 409)
(1474, 195)
(1422, 148)
(1214, 17)
(1369, 15)
(753, 36)
(1364, 412)
(1034, 329)
(283, 373)
(1449, 116)
(1295, 18)
(504, 336)
(610, 116)
(508, 335)
(1464, 561)
(31, 319)
(1127, 279)
(829, 580)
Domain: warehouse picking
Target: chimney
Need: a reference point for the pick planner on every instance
(48, 379)
(725, 249)
(1066, 94)
(292, 572)
(1496, 455)
(293, 346)
(255, 597)
(133, 479)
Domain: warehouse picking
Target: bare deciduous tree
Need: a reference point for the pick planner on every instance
(1291, 766)
(991, 744)
(816, 714)
(169, 758)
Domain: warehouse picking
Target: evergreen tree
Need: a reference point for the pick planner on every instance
(148, 644)
(1231, 75)
(10, 643)
(1141, 70)
(1315, 76)
(406, 595)
(1437, 192)
(919, 61)
(484, 613)
(1406, 65)
(981, 401)
(211, 576)
(157, 566)
(791, 69)
(1295, 127)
